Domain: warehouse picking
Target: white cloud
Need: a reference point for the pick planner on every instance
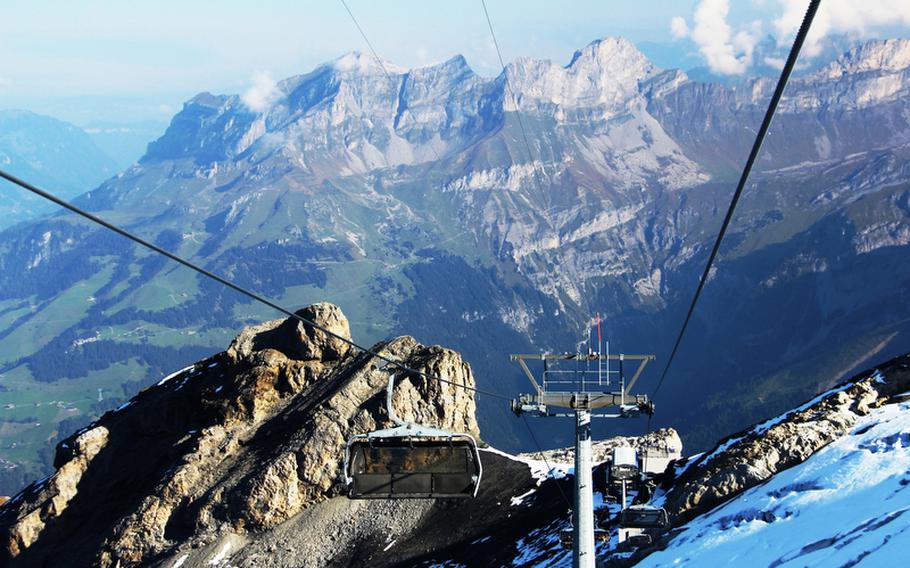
(262, 94)
(679, 28)
(839, 16)
(725, 52)
(729, 52)
(776, 62)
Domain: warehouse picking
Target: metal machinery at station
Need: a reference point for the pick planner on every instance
(585, 386)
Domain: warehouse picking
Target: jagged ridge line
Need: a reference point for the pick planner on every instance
(367, 40)
(747, 169)
(237, 288)
(377, 58)
(521, 124)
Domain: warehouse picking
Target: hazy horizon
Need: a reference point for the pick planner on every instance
(111, 62)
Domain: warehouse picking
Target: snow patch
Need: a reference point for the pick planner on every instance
(518, 500)
(539, 468)
(848, 501)
(174, 374)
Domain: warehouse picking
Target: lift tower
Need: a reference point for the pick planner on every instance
(584, 384)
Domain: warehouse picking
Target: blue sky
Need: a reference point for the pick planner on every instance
(132, 61)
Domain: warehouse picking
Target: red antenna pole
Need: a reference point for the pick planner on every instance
(599, 340)
(590, 349)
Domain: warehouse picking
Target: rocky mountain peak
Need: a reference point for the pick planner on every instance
(241, 441)
(207, 99)
(454, 69)
(614, 53)
(872, 73)
(607, 72)
(296, 340)
(372, 120)
(889, 55)
(365, 64)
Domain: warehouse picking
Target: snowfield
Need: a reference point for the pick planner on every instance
(846, 505)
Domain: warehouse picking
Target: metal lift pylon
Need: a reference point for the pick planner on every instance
(586, 393)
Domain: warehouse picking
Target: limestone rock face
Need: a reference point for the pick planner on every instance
(295, 339)
(49, 498)
(240, 442)
(272, 499)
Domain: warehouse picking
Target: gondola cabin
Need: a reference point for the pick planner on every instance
(639, 523)
(624, 466)
(643, 517)
(411, 461)
(412, 468)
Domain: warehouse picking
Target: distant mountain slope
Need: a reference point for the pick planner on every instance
(412, 201)
(125, 143)
(50, 153)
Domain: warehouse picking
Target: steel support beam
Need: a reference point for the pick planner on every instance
(583, 512)
(592, 401)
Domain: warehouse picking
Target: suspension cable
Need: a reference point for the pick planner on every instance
(377, 58)
(543, 456)
(753, 155)
(155, 248)
(511, 92)
(367, 40)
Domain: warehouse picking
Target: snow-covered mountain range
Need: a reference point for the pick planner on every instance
(409, 197)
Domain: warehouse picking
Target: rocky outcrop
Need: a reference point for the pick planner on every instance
(751, 457)
(238, 443)
(296, 340)
(51, 496)
(664, 440)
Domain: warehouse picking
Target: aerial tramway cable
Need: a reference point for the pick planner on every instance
(252, 295)
(543, 456)
(377, 58)
(521, 124)
(366, 39)
(753, 155)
